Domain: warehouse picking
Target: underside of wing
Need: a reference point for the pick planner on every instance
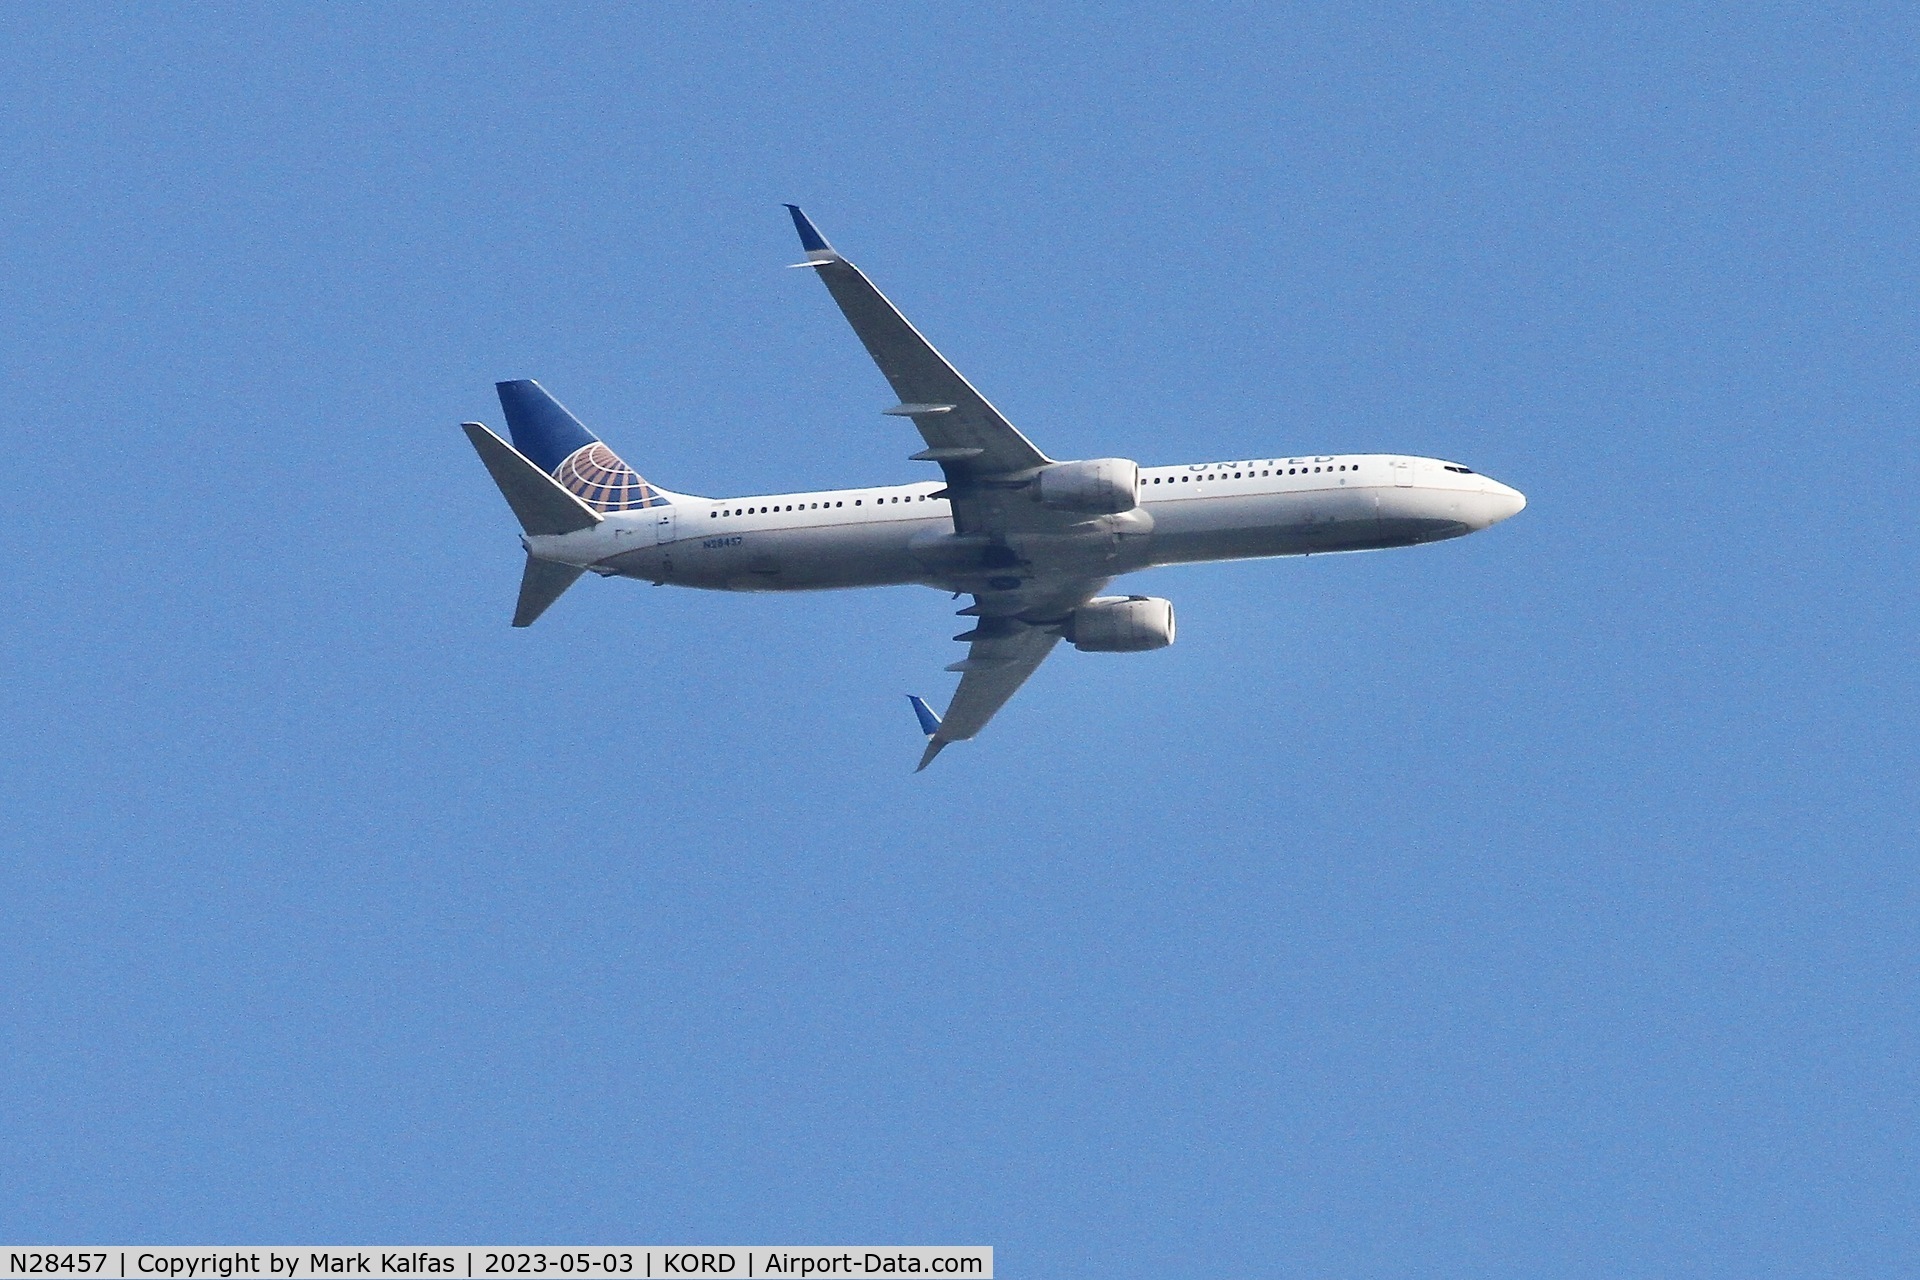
(1010, 639)
(966, 435)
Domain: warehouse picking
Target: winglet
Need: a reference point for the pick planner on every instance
(819, 252)
(929, 725)
(810, 240)
(929, 722)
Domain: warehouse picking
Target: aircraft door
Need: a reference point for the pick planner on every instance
(663, 525)
(1403, 473)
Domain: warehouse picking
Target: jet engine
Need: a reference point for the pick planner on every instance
(1098, 486)
(1121, 624)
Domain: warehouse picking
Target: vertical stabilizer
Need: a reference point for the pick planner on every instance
(553, 439)
(542, 428)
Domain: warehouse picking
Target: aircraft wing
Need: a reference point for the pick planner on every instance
(964, 434)
(1005, 650)
(987, 463)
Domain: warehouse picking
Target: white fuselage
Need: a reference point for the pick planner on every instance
(904, 534)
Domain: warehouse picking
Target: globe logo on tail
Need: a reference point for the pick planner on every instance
(595, 474)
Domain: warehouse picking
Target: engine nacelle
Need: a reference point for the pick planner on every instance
(1098, 486)
(1121, 624)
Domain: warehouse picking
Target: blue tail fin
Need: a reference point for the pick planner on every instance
(553, 440)
(543, 431)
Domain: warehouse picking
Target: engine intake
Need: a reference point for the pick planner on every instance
(1098, 486)
(1121, 624)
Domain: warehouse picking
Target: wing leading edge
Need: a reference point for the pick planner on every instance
(964, 433)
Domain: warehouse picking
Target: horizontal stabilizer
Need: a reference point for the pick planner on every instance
(537, 499)
(541, 583)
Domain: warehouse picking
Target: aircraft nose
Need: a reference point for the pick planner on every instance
(1504, 502)
(1493, 503)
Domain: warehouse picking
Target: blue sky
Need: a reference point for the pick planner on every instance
(1541, 903)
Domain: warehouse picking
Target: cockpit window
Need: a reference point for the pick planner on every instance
(1465, 471)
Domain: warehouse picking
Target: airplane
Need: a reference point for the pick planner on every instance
(1032, 540)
